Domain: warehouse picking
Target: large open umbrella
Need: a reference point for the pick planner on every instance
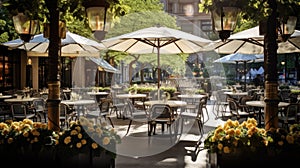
(157, 39)
(72, 45)
(239, 58)
(251, 42)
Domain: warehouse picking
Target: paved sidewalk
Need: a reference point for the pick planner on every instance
(178, 156)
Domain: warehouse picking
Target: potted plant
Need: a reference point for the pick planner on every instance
(34, 143)
(237, 144)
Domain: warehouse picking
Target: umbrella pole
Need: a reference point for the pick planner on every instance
(245, 78)
(158, 73)
(236, 72)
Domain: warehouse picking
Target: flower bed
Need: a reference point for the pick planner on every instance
(237, 145)
(31, 142)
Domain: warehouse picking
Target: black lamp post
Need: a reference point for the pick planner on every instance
(99, 20)
(273, 33)
(53, 101)
(98, 17)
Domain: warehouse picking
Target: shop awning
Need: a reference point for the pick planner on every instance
(104, 65)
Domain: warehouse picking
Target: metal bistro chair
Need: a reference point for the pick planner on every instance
(220, 105)
(200, 119)
(161, 114)
(21, 112)
(137, 115)
(39, 107)
(289, 115)
(66, 115)
(99, 111)
(236, 111)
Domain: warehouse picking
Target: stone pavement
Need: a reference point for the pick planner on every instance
(134, 152)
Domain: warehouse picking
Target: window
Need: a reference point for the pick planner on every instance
(206, 25)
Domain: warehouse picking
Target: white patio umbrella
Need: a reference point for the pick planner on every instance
(239, 58)
(72, 45)
(160, 40)
(251, 42)
(253, 72)
(260, 70)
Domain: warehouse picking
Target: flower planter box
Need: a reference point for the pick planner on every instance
(253, 159)
(104, 160)
(235, 144)
(51, 158)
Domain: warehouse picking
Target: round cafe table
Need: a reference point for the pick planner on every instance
(261, 104)
(131, 96)
(171, 103)
(79, 104)
(98, 95)
(20, 100)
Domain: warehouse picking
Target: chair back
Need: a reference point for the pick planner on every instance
(161, 111)
(156, 95)
(244, 99)
(39, 104)
(221, 96)
(292, 110)
(201, 106)
(19, 111)
(64, 110)
(233, 106)
(104, 106)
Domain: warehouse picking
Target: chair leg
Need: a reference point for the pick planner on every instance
(110, 122)
(128, 127)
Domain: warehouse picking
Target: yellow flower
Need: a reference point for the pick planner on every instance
(5, 131)
(238, 132)
(78, 128)
(78, 145)
(226, 149)
(35, 132)
(79, 136)
(83, 141)
(25, 134)
(290, 139)
(99, 130)
(10, 140)
(3, 126)
(73, 132)
(67, 140)
(106, 141)
(94, 145)
(220, 146)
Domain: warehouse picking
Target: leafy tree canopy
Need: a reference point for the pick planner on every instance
(253, 11)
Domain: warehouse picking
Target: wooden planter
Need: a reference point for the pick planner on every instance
(262, 158)
(28, 157)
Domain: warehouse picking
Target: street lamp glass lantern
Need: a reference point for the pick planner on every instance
(96, 18)
(97, 15)
(287, 28)
(25, 28)
(224, 20)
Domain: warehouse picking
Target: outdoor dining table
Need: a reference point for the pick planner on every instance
(193, 96)
(236, 95)
(261, 104)
(131, 96)
(174, 104)
(171, 103)
(21, 100)
(79, 104)
(5, 96)
(98, 95)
